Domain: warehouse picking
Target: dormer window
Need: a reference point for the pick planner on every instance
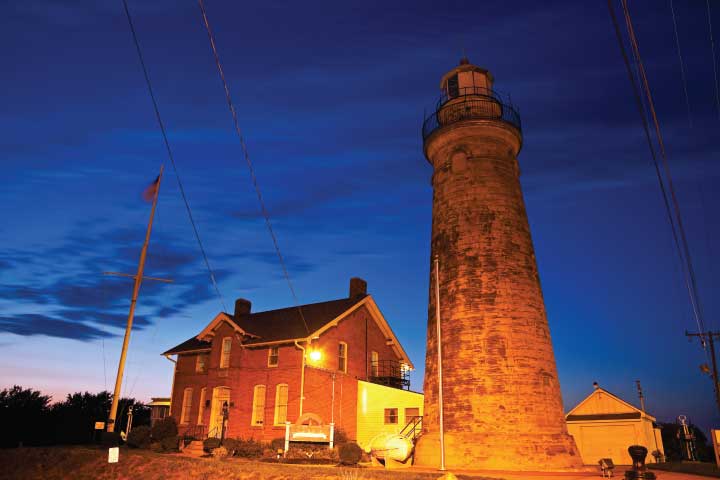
(225, 352)
(273, 354)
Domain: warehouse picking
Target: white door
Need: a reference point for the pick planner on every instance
(219, 397)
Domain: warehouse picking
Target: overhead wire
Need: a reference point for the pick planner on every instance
(251, 168)
(171, 157)
(682, 64)
(668, 210)
(714, 58)
(666, 167)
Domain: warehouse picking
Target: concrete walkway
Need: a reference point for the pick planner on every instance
(592, 473)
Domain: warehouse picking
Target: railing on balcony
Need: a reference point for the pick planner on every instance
(390, 373)
(470, 103)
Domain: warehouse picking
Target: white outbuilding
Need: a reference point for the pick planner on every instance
(604, 426)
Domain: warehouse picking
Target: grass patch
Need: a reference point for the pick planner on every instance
(91, 463)
(695, 468)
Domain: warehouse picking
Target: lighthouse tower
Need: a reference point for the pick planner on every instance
(501, 396)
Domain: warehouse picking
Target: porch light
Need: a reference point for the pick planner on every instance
(315, 355)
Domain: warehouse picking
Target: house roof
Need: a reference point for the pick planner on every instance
(286, 325)
(603, 405)
(193, 344)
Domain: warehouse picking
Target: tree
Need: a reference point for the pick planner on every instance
(74, 419)
(23, 415)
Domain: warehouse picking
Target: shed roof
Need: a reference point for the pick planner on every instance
(603, 405)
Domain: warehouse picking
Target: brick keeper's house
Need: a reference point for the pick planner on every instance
(354, 372)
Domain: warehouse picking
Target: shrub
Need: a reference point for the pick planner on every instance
(310, 453)
(277, 444)
(170, 444)
(220, 453)
(163, 429)
(350, 453)
(139, 437)
(211, 443)
(249, 449)
(231, 445)
(339, 436)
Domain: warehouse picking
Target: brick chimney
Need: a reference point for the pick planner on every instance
(242, 307)
(358, 287)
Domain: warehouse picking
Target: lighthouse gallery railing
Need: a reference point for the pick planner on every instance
(473, 103)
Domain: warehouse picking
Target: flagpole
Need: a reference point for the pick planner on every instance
(439, 363)
(131, 314)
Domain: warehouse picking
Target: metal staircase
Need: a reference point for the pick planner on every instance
(413, 429)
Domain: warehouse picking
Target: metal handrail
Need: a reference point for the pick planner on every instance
(389, 373)
(470, 107)
(445, 96)
(413, 428)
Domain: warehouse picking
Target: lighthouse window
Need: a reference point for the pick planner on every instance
(453, 89)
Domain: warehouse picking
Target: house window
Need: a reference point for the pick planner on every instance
(258, 408)
(200, 363)
(411, 412)
(273, 354)
(225, 352)
(374, 364)
(281, 401)
(201, 406)
(342, 357)
(186, 406)
(391, 416)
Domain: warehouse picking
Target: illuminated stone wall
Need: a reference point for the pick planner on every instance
(503, 407)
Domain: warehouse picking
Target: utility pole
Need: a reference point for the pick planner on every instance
(709, 337)
(640, 395)
(131, 315)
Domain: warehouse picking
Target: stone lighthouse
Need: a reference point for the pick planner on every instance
(502, 403)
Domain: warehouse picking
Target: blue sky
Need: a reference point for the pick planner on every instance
(330, 97)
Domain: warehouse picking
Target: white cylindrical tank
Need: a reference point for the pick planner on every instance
(390, 446)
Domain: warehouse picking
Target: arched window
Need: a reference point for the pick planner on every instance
(281, 404)
(201, 406)
(186, 405)
(258, 409)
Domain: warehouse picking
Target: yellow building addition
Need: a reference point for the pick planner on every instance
(382, 410)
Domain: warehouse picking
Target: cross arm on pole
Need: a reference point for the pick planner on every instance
(156, 279)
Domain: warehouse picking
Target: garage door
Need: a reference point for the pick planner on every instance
(607, 441)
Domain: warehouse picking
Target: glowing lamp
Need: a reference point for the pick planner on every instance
(315, 355)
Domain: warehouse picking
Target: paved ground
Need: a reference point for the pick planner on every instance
(592, 473)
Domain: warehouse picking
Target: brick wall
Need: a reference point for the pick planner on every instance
(249, 367)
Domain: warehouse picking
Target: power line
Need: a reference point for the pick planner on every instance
(170, 155)
(243, 146)
(684, 261)
(678, 216)
(714, 61)
(682, 65)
